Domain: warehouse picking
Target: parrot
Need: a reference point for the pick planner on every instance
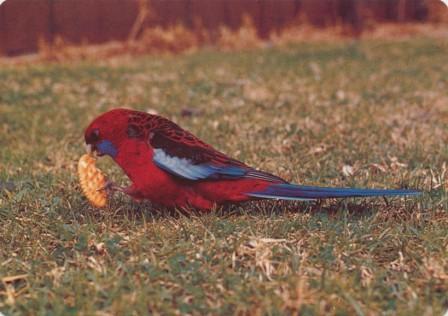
(169, 166)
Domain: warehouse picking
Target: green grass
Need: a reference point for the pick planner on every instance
(302, 112)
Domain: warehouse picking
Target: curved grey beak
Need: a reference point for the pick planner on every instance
(88, 148)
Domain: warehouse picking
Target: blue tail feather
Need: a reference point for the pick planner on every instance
(300, 192)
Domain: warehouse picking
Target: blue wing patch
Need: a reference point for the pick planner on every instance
(185, 168)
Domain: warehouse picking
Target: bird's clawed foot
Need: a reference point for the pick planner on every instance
(111, 187)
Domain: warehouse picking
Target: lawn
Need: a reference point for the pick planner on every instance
(368, 114)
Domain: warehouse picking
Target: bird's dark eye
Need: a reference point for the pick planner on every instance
(94, 136)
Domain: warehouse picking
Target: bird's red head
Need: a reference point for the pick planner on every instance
(105, 134)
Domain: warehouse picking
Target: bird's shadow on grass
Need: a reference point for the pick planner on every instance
(332, 208)
(123, 209)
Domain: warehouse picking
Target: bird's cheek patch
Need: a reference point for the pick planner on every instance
(106, 147)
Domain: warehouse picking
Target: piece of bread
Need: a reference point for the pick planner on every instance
(92, 181)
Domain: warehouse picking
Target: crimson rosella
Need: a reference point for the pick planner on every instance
(170, 166)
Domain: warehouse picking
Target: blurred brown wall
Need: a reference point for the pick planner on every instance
(24, 22)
